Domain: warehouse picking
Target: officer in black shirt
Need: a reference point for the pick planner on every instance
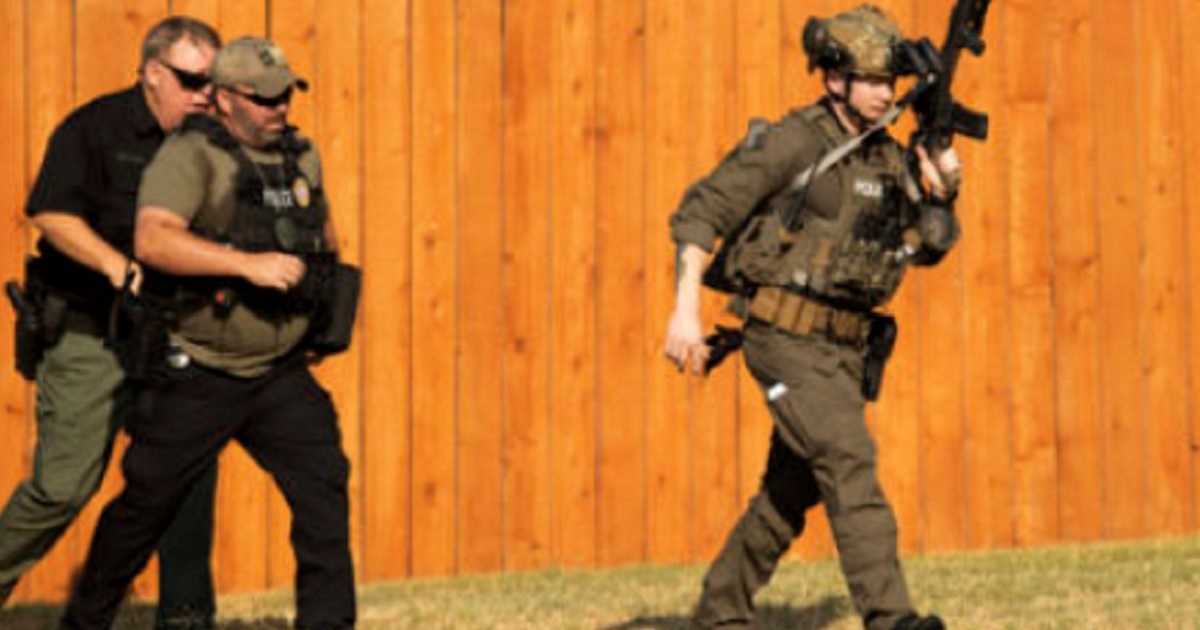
(83, 203)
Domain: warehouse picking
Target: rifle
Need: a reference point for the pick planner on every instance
(939, 116)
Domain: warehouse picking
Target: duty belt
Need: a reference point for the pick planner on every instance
(803, 316)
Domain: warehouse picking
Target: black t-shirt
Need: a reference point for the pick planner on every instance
(92, 169)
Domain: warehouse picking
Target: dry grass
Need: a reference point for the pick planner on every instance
(1142, 585)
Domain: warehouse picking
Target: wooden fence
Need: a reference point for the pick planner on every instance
(503, 171)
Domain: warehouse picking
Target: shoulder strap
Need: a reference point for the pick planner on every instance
(838, 153)
(211, 129)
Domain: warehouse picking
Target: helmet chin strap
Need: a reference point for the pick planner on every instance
(844, 99)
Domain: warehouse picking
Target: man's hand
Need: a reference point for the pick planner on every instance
(273, 270)
(685, 345)
(943, 172)
(124, 273)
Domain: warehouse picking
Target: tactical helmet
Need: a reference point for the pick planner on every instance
(860, 41)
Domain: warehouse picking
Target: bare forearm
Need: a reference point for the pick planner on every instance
(177, 251)
(690, 261)
(72, 236)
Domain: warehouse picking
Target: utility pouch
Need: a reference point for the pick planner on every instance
(881, 340)
(333, 324)
(29, 337)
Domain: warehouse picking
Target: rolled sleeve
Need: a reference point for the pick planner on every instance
(716, 206)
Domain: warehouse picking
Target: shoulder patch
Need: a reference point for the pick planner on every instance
(756, 130)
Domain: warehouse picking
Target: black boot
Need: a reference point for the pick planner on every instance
(915, 622)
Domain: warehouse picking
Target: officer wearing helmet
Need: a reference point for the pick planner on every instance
(812, 250)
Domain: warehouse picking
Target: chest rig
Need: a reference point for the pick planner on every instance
(854, 253)
(277, 209)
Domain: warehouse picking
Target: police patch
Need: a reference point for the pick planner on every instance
(868, 188)
(301, 192)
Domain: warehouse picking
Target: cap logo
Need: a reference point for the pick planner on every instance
(266, 57)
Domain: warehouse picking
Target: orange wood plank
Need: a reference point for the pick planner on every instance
(894, 420)
(715, 129)
(481, 331)
(622, 318)
(237, 18)
(1165, 361)
(337, 83)
(16, 405)
(386, 309)
(758, 92)
(207, 10)
(434, 307)
(671, 516)
(292, 27)
(942, 339)
(1034, 463)
(1121, 259)
(49, 82)
(1076, 271)
(526, 271)
(573, 284)
(1189, 20)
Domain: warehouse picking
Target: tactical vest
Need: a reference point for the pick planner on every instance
(855, 256)
(277, 209)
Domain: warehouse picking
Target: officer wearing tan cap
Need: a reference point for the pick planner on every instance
(811, 258)
(233, 228)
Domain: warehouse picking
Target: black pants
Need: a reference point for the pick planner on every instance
(287, 423)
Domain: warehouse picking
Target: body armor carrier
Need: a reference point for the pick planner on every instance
(278, 209)
(854, 257)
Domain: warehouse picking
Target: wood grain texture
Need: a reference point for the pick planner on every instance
(572, 315)
(481, 368)
(1076, 271)
(1164, 359)
(525, 267)
(622, 322)
(1122, 258)
(435, 291)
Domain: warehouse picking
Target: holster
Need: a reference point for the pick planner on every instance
(40, 321)
(28, 340)
(138, 332)
(881, 340)
(333, 324)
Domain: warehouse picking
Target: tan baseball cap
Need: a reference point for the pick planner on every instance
(256, 63)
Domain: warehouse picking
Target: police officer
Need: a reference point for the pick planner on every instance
(233, 227)
(812, 255)
(83, 204)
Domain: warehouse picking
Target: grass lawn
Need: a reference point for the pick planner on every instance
(1139, 585)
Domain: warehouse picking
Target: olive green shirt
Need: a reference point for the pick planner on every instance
(195, 179)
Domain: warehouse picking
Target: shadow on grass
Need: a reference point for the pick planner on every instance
(769, 617)
(132, 616)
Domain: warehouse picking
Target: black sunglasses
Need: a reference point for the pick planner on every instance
(269, 102)
(190, 81)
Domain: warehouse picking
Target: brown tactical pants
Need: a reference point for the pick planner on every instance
(821, 452)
